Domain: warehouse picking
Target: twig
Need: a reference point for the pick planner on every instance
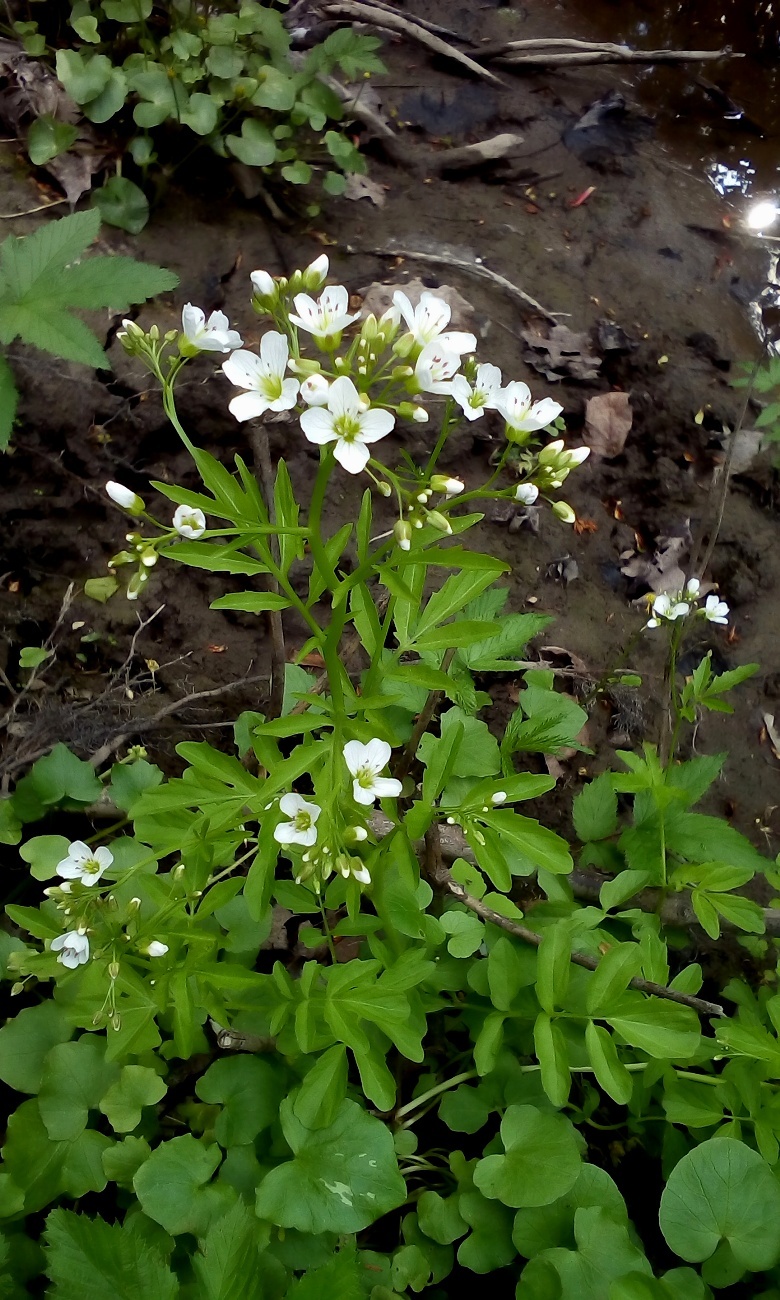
(360, 111)
(473, 268)
(577, 958)
(67, 601)
(258, 438)
(146, 724)
(432, 703)
(394, 22)
(423, 22)
(11, 216)
(563, 52)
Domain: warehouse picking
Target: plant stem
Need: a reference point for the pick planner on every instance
(454, 1082)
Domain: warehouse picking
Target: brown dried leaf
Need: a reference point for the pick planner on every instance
(557, 352)
(661, 570)
(608, 420)
(362, 187)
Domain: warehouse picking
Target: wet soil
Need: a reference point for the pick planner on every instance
(646, 250)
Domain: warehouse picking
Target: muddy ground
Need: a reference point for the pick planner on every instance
(647, 251)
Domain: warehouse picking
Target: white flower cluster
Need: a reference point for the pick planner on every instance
(668, 608)
(86, 866)
(365, 763)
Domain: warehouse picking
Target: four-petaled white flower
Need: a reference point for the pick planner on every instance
(526, 493)
(326, 317)
(156, 949)
(73, 948)
(189, 522)
(715, 610)
(427, 320)
(84, 864)
(436, 368)
(667, 608)
(522, 413)
(263, 377)
(365, 762)
(212, 335)
(346, 422)
(482, 396)
(301, 828)
(314, 390)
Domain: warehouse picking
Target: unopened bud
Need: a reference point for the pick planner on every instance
(264, 286)
(439, 521)
(116, 1021)
(526, 493)
(564, 512)
(316, 273)
(403, 534)
(17, 988)
(125, 497)
(451, 487)
(384, 489)
(113, 970)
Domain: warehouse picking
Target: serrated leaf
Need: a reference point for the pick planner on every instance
(595, 809)
(137, 1086)
(89, 1259)
(53, 329)
(228, 1264)
(114, 282)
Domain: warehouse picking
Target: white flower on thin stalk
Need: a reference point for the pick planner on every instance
(302, 827)
(667, 609)
(189, 522)
(326, 317)
(436, 368)
(522, 413)
(212, 335)
(263, 377)
(428, 321)
(346, 422)
(364, 763)
(715, 610)
(73, 948)
(84, 864)
(482, 396)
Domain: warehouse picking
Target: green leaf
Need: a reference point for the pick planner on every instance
(89, 1259)
(553, 1057)
(541, 1163)
(84, 76)
(32, 656)
(110, 99)
(61, 775)
(130, 780)
(548, 1226)
(323, 1089)
(723, 1191)
(122, 204)
(75, 1076)
(251, 602)
(595, 809)
(440, 1218)
(201, 114)
(662, 1029)
(553, 966)
(25, 1042)
(101, 589)
(341, 1179)
(9, 398)
(229, 1264)
(605, 1252)
(609, 1070)
(123, 1102)
(612, 976)
(342, 1278)
(46, 326)
(172, 1186)
(47, 138)
(249, 1089)
(46, 1169)
(44, 854)
(464, 1111)
(466, 932)
(255, 146)
(112, 282)
(489, 1245)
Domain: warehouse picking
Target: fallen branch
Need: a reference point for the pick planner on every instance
(472, 268)
(471, 155)
(393, 22)
(435, 28)
(562, 52)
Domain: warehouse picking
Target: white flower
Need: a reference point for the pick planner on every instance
(263, 284)
(523, 414)
(73, 948)
(189, 522)
(483, 396)
(526, 493)
(212, 335)
(156, 949)
(666, 607)
(716, 611)
(427, 320)
(124, 497)
(328, 316)
(301, 828)
(314, 390)
(348, 424)
(84, 864)
(263, 377)
(365, 762)
(692, 587)
(435, 368)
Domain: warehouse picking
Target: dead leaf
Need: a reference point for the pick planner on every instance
(661, 570)
(74, 171)
(278, 940)
(378, 297)
(30, 89)
(608, 420)
(557, 352)
(362, 187)
(772, 733)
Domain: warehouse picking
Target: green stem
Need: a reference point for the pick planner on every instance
(442, 438)
(326, 928)
(435, 1092)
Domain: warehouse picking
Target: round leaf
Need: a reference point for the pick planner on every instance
(723, 1191)
(171, 1186)
(122, 204)
(255, 146)
(47, 138)
(541, 1163)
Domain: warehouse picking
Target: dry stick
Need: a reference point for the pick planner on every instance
(67, 601)
(393, 22)
(535, 54)
(423, 22)
(433, 701)
(473, 268)
(146, 724)
(258, 439)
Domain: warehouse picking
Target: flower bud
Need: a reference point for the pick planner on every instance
(499, 796)
(577, 455)
(16, 989)
(156, 949)
(355, 834)
(265, 289)
(370, 327)
(113, 970)
(116, 1022)
(316, 273)
(549, 455)
(125, 497)
(439, 521)
(149, 557)
(564, 512)
(526, 493)
(403, 534)
(314, 390)
(451, 487)
(384, 488)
